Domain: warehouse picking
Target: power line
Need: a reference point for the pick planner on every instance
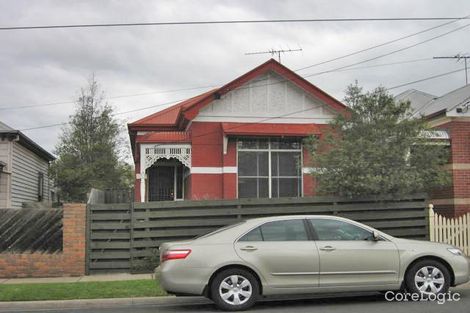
(196, 88)
(385, 64)
(336, 69)
(459, 57)
(113, 97)
(425, 79)
(394, 87)
(380, 45)
(117, 113)
(390, 53)
(179, 100)
(376, 57)
(182, 23)
(313, 65)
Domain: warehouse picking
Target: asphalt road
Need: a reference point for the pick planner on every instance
(349, 304)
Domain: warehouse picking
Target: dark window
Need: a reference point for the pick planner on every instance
(328, 229)
(40, 186)
(289, 230)
(253, 174)
(253, 143)
(179, 181)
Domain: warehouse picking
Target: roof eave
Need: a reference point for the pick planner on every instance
(31, 145)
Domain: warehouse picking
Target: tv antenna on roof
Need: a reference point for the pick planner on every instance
(459, 57)
(274, 52)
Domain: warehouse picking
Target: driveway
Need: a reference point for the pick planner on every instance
(348, 304)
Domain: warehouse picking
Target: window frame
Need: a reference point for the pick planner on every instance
(269, 149)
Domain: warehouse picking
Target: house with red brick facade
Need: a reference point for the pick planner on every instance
(241, 140)
(449, 115)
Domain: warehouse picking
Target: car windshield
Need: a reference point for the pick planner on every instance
(219, 230)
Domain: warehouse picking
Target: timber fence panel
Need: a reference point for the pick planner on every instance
(123, 236)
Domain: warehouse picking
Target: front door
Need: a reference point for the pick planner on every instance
(282, 252)
(350, 257)
(161, 183)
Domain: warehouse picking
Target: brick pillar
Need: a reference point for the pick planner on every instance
(74, 239)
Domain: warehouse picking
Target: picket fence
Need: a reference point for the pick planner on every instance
(450, 230)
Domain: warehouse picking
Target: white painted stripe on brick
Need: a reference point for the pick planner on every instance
(213, 170)
(206, 170)
(230, 169)
(308, 170)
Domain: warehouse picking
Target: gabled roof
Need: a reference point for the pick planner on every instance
(419, 100)
(449, 101)
(180, 114)
(428, 105)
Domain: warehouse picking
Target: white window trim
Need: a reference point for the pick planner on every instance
(214, 170)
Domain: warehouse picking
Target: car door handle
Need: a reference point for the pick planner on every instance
(248, 248)
(327, 248)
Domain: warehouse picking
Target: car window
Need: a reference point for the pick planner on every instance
(254, 235)
(288, 230)
(329, 229)
(219, 230)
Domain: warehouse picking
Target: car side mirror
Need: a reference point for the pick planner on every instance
(375, 236)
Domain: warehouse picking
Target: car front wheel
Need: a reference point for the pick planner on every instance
(428, 277)
(234, 290)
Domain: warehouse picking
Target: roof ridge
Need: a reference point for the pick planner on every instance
(452, 91)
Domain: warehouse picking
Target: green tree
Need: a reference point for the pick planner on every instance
(378, 148)
(89, 148)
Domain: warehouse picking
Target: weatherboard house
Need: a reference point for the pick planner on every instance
(241, 140)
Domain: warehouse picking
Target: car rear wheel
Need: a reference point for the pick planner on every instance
(234, 289)
(428, 277)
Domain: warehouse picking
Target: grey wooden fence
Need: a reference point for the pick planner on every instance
(125, 236)
(31, 230)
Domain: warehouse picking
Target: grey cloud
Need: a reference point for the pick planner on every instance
(51, 65)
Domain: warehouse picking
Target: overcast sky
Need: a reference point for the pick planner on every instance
(47, 66)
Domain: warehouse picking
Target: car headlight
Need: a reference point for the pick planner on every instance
(455, 251)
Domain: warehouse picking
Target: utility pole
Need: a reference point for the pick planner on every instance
(459, 57)
(274, 52)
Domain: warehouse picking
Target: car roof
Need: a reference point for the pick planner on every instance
(281, 217)
(288, 217)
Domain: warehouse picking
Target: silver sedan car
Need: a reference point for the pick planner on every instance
(236, 265)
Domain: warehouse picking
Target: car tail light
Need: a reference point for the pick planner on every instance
(175, 255)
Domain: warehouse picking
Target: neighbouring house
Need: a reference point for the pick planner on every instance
(241, 140)
(24, 167)
(449, 115)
